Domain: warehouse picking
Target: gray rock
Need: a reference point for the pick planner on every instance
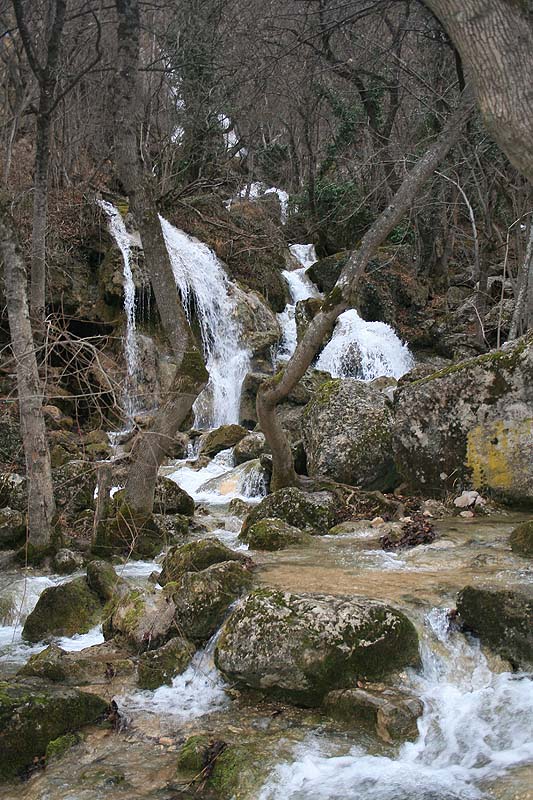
(314, 512)
(171, 498)
(141, 619)
(158, 667)
(66, 561)
(250, 447)
(194, 557)
(470, 424)
(392, 713)
(300, 646)
(275, 534)
(347, 435)
(12, 528)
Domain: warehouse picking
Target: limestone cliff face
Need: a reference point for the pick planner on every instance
(470, 425)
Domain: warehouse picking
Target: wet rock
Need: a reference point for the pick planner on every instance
(137, 535)
(66, 561)
(99, 664)
(469, 499)
(275, 534)
(51, 664)
(502, 619)
(58, 747)
(259, 325)
(103, 580)
(313, 512)
(141, 619)
(12, 528)
(158, 667)
(194, 557)
(202, 598)
(470, 424)
(418, 530)
(33, 713)
(193, 754)
(393, 713)
(63, 611)
(522, 539)
(250, 447)
(13, 491)
(300, 646)
(347, 435)
(221, 439)
(238, 507)
(171, 498)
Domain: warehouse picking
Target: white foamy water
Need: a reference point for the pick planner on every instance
(124, 241)
(220, 482)
(364, 350)
(204, 287)
(196, 692)
(476, 725)
(81, 640)
(301, 288)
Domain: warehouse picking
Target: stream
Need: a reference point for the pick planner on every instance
(476, 733)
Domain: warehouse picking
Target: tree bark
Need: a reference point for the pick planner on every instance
(41, 506)
(191, 377)
(495, 41)
(343, 296)
(524, 288)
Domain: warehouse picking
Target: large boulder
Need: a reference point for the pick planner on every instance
(12, 528)
(260, 329)
(300, 646)
(63, 611)
(347, 435)
(314, 512)
(171, 498)
(96, 665)
(141, 619)
(124, 531)
(74, 485)
(194, 557)
(33, 713)
(203, 598)
(522, 539)
(249, 448)
(471, 425)
(502, 619)
(393, 713)
(275, 534)
(221, 439)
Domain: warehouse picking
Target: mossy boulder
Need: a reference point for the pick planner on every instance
(50, 664)
(13, 491)
(239, 772)
(74, 485)
(171, 498)
(221, 439)
(326, 271)
(502, 619)
(194, 557)
(275, 534)
(470, 426)
(34, 713)
(95, 665)
(141, 619)
(103, 580)
(522, 539)
(134, 534)
(158, 667)
(314, 512)
(192, 756)
(63, 611)
(58, 747)
(346, 433)
(12, 528)
(203, 598)
(11, 450)
(250, 447)
(298, 647)
(259, 326)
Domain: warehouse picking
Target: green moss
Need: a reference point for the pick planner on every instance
(275, 534)
(192, 756)
(237, 772)
(522, 539)
(58, 747)
(159, 667)
(63, 611)
(193, 367)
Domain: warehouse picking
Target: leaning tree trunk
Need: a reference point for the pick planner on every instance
(342, 296)
(41, 507)
(495, 41)
(151, 446)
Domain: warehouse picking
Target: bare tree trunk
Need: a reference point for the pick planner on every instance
(41, 506)
(191, 377)
(344, 295)
(40, 219)
(524, 287)
(495, 41)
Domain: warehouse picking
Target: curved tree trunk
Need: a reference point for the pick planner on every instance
(495, 41)
(343, 296)
(191, 377)
(41, 506)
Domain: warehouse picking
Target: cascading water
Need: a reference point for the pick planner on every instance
(364, 350)
(300, 288)
(124, 241)
(476, 725)
(200, 275)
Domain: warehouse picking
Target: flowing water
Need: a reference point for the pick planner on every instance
(124, 242)
(357, 349)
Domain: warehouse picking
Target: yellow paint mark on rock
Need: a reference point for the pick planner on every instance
(500, 455)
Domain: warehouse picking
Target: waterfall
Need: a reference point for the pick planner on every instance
(300, 288)
(123, 241)
(204, 286)
(476, 725)
(364, 350)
